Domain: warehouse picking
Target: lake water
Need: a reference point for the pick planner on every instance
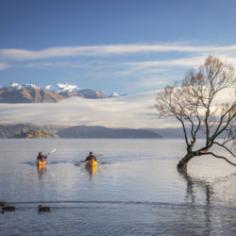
(136, 190)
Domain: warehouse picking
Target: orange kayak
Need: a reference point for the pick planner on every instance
(41, 164)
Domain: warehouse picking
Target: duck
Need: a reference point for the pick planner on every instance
(43, 208)
(8, 208)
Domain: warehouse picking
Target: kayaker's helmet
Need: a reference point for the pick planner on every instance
(40, 153)
(90, 153)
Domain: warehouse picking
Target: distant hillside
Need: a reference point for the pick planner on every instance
(32, 131)
(102, 132)
(26, 131)
(38, 133)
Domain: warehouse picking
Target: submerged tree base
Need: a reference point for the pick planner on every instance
(182, 165)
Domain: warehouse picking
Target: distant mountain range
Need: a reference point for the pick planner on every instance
(103, 132)
(33, 131)
(30, 93)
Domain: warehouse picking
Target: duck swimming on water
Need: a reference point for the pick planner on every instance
(7, 208)
(43, 208)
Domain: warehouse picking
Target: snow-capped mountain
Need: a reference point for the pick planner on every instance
(48, 87)
(115, 94)
(31, 93)
(89, 93)
(67, 87)
(14, 85)
(27, 93)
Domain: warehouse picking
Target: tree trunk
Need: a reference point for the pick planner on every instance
(182, 165)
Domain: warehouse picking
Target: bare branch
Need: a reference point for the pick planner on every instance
(227, 112)
(184, 130)
(220, 157)
(225, 148)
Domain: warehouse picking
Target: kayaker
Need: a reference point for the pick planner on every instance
(41, 157)
(91, 157)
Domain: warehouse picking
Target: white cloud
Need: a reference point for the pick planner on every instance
(53, 65)
(182, 62)
(147, 83)
(116, 49)
(4, 66)
(158, 73)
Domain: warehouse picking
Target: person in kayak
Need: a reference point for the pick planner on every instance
(41, 157)
(91, 157)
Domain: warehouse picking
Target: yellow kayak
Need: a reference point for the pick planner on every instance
(41, 164)
(91, 163)
(91, 166)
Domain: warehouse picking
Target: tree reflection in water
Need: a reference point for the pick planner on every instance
(193, 186)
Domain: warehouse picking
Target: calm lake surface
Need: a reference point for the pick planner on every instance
(136, 190)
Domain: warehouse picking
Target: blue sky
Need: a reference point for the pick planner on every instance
(113, 45)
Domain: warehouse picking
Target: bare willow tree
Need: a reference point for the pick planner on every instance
(201, 107)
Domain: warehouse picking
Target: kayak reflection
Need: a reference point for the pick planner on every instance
(41, 171)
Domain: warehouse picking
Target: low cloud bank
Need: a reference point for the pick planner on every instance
(126, 112)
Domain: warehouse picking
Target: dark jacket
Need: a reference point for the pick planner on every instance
(90, 157)
(41, 157)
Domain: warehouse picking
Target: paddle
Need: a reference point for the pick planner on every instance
(53, 150)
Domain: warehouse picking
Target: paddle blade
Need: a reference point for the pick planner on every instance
(53, 150)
